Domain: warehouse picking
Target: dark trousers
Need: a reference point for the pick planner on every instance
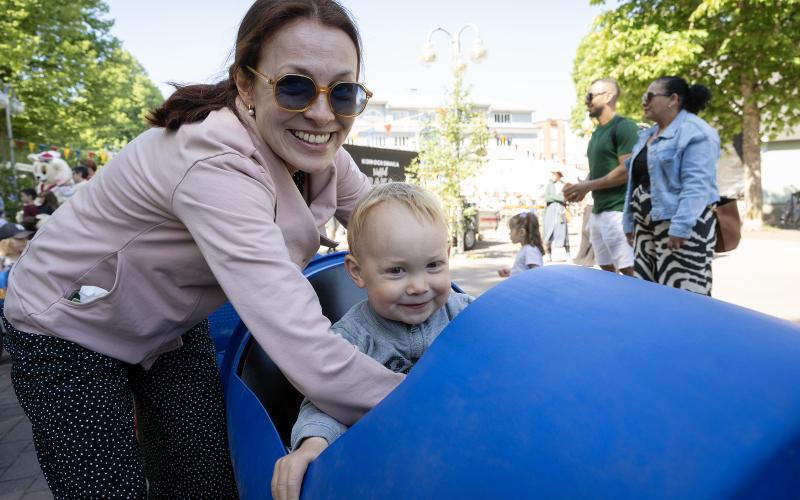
(81, 406)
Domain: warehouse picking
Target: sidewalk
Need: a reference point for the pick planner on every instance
(762, 274)
(20, 477)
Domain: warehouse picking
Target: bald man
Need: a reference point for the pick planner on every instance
(611, 144)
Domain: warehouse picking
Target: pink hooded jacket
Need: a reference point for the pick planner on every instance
(173, 225)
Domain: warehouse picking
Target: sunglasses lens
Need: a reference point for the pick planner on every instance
(348, 99)
(295, 92)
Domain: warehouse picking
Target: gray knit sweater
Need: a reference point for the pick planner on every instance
(394, 344)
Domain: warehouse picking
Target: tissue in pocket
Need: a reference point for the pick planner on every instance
(89, 293)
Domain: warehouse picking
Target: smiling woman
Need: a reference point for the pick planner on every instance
(201, 208)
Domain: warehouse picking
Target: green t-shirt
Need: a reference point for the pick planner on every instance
(603, 158)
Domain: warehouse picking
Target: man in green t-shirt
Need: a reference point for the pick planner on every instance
(611, 144)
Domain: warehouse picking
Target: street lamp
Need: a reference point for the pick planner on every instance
(12, 105)
(477, 54)
(9, 101)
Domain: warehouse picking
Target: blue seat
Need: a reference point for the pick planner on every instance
(563, 382)
(261, 404)
(221, 325)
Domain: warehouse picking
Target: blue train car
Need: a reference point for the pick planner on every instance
(563, 382)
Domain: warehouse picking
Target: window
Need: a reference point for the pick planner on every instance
(502, 117)
(400, 140)
(400, 115)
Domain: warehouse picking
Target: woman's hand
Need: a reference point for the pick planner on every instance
(287, 477)
(675, 243)
(504, 272)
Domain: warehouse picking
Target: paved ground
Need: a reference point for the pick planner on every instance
(762, 274)
(20, 477)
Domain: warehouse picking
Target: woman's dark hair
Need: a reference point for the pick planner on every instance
(193, 103)
(30, 192)
(530, 223)
(693, 99)
(82, 171)
(89, 164)
(50, 201)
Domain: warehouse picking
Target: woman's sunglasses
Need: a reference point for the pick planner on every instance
(648, 96)
(298, 93)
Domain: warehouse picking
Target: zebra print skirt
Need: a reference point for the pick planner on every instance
(688, 268)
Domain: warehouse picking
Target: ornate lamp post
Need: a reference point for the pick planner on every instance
(448, 179)
(477, 54)
(13, 106)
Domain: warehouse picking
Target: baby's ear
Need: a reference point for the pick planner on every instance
(354, 270)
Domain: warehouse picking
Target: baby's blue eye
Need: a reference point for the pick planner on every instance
(395, 270)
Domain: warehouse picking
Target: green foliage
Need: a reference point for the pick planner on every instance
(747, 52)
(80, 88)
(452, 149)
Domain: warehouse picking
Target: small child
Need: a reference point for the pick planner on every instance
(399, 250)
(524, 229)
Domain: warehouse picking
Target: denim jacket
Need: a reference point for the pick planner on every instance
(682, 163)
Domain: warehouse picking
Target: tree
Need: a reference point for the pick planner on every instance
(746, 51)
(452, 148)
(80, 88)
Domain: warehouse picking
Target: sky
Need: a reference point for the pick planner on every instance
(531, 45)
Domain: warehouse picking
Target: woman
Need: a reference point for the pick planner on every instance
(672, 188)
(225, 197)
(556, 232)
(49, 204)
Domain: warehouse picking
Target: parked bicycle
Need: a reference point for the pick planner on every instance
(790, 217)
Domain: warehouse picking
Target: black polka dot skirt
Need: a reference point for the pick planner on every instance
(81, 406)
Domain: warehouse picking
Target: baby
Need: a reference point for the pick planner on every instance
(399, 249)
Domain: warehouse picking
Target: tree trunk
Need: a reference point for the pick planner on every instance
(751, 149)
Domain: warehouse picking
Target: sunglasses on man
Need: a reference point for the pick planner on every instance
(299, 92)
(590, 96)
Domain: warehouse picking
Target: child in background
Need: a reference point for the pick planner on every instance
(29, 207)
(524, 229)
(399, 249)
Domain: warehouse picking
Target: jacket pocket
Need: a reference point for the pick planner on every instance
(669, 168)
(106, 274)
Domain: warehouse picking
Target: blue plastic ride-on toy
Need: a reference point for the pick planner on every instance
(562, 382)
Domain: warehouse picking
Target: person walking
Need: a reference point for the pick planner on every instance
(610, 145)
(225, 197)
(556, 232)
(672, 189)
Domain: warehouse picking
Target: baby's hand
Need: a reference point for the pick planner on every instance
(504, 272)
(287, 477)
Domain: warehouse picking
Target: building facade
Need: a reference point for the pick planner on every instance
(521, 151)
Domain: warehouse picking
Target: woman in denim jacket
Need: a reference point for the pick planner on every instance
(672, 188)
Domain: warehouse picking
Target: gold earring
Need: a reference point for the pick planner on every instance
(251, 110)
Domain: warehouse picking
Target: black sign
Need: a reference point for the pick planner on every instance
(381, 165)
